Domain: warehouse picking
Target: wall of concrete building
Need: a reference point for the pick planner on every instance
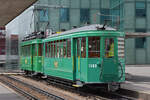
(94, 6)
(134, 23)
(130, 21)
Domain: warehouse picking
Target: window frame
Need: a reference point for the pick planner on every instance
(86, 15)
(89, 55)
(64, 15)
(43, 15)
(142, 13)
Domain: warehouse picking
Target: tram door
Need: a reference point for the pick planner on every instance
(77, 57)
(109, 64)
(34, 54)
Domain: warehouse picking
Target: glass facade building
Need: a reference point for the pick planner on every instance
(64, 14)
(137, 19)
(125, 15)
(117, 14)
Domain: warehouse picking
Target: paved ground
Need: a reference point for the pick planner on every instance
(139, 70)
(138, 79)
(8, 94)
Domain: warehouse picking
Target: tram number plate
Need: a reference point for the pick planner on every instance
(92, 65)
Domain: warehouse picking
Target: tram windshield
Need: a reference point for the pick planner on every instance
(40, 50)
(109, 47)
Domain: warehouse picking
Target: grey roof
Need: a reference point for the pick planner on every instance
(84, 28)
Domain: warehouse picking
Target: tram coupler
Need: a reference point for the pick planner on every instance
(112, 87)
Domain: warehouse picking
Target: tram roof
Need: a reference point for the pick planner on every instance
(34, 41)
(95, 28)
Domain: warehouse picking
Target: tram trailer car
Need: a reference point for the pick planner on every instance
(31, 56)
(91, 57)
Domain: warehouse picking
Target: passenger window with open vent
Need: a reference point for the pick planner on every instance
(121, 47)
(94, 47)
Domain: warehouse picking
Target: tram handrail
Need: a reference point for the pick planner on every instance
(101, 69)
(121, 70)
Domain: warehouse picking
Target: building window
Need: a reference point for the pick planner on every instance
(140, 9)
(105, 16)
(44, 15)
(140, 42)
(84, 15)
(64, 14)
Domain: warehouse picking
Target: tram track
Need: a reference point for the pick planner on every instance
(27, 90)
(24, 93)
(87, 93)
(95, 94)
(92, 94)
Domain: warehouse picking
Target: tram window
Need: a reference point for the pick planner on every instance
(46, 51)
(57, 49)
(78, 47)
(94, 47)
(22, 51)
(109, 47)
(64, 49)
(59, 46)
(69, 48)
(49, 49)
(52, 49)
(83, 47)
(121, 47)
(40, 50)
(25, 51)
(28, 50)
(60, 49)
(34, 50)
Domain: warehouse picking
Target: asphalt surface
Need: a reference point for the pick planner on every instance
(8, 94)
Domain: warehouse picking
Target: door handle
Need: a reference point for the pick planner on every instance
(98, 64)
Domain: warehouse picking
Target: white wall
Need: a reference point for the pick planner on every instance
(21, 24)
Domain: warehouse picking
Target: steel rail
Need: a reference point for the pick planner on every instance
(93, 94)
(52, 96)
(24, 93)
(123, 96)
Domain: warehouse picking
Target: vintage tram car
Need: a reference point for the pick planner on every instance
(89, 55)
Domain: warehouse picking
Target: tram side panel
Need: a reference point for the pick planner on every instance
(121, 58)
(31, 56)
(26, 58)
(57, 59)
(37, 57)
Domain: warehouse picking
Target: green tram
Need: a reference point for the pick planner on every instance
(90, 57)
(31, 56)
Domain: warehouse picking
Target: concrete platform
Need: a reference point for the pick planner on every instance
(138, 81)
(8, 94)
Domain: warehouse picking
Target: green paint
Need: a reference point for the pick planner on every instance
(87, 70)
